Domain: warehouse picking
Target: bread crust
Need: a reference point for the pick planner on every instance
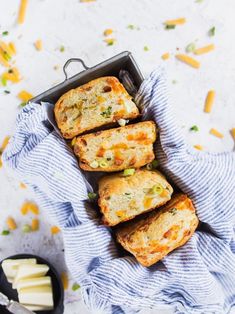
(130, 146)
(152, 237)
(123, 198)
(100, 102)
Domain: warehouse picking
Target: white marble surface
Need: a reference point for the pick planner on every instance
(79, 27)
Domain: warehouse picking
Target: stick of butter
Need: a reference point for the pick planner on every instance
(37, 296)
(30, 271)
(10, 266)
(33, 282)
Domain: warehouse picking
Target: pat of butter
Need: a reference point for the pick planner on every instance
(30, 271)
(42, 296)
(10, 266)
(38, 307)
(33, 282)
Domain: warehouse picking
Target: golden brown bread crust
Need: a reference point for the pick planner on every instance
(100, 102)
(130, 146)
(121, 198)
(151, 238)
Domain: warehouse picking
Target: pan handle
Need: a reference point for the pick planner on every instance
(70, 61)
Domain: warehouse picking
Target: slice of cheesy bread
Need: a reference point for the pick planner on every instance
(100, 102)
(122, 197)
(151, 238)
(130, 146)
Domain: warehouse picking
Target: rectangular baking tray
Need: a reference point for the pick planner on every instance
(112, 66)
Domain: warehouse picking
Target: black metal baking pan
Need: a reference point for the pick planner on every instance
(112, 66)
(58, 290)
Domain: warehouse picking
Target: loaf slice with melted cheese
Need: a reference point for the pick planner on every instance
(122, 197)
(130, 146)
(100, 102)
(161, 231)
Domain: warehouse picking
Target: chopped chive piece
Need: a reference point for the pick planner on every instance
(211, 31)
(152, 165)
(107, 113)
(103, 164)
(127, 193)
(173, 211)
(62, 48)
(26, 228)
(170, 27)
(22, 104)
(92, 195)
(174, 81)
(146, 48)
(194, 128)
(190, 47)
(5, 232)
(7, 92)
(157, 189)
(110, 42)
(75, 287)
(131, 26)
(128, 172)
(5, 33)
(4, 81)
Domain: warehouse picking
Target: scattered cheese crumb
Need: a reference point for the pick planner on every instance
(38, 44)
(165, 56)
(11, 223)
(65, 280)
(35, 225)
(22, 185)
(24, 96)
(233, 133)
(216, 133)
(179, 21)
(12, 48)
(108, 32)
(22, 11)
(199, 147)
(12, 75)
(188, 60)
(55, 230)
(209, 101)
(206, 49)
(4, 143)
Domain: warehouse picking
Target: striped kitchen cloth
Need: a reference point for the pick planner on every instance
(196, 278)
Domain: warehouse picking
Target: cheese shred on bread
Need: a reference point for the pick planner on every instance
(130, 146)
(100, 102)
(122, 198)
(151, 238)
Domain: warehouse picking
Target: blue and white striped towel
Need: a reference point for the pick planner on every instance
(196, 278)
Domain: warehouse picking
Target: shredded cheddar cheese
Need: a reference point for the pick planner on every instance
(205, 49)
(165, 56)
(35, 225)
(233, 133)
(216, 133)
(12, 75)
(22, 185)
(209, 101)
(199, 147)
(108, 32)
(38, 44)
(12, 48)
(5, 143)
(29, 206)
(22, 11)
(55, 230)
(11, 223)
(24, 96)
(188, 60)
(179, 21)
(65, 280)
